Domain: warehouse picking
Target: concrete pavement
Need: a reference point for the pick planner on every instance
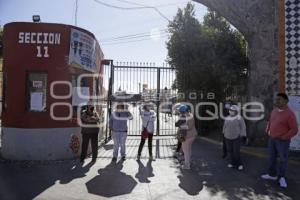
(160, 179)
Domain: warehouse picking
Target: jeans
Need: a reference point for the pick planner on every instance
(86, 137)
(277, 148)
(233, 148)
(149, 145)
(119, 139)
(224, 147)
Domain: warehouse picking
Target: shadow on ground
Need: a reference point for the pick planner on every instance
(144, 172)
(210, 173)
(208, 179)
(24, 180)
(111, 181)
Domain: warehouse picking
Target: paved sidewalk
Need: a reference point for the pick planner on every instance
(160, 179)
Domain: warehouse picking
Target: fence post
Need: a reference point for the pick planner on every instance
(158, 101)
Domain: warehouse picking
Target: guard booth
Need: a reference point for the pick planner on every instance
(49, 72)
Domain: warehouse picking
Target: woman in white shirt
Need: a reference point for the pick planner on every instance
(148, 117)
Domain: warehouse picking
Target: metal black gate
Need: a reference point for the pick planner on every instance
(136, 84)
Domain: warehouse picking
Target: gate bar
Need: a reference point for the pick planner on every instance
(157, 100)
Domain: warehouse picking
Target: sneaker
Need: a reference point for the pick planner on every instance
(282, 182)
(114, 159)
(241, 167)
(185, 167)
(123, 158)
(268, 177)
(230, 166)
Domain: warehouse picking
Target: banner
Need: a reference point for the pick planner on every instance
(83, 51)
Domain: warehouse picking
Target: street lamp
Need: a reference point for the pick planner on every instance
(36, 18)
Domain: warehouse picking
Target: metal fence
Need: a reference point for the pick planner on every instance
(140, 84)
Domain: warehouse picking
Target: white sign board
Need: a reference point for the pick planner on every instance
(36, 101)
(37, 84)
(294, 104)
(80, 95)
(82, 50)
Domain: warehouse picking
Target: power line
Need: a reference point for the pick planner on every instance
(156, 6)
(144, 34)
(125, 42)
(171, 4)
(146, 37)
(141, 6)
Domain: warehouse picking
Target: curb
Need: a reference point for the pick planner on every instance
(248, 151)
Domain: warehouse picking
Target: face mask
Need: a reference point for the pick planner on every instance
(232, 113)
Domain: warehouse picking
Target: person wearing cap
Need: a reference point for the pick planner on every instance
(89, 130)
(281, 128)
(233, 129)
(226, 113)
(188, 126)
(118, 126)
(148, 117)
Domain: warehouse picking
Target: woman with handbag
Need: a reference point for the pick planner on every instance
(186, 133)
(148, 118)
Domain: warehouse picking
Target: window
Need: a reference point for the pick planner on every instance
(36, 92)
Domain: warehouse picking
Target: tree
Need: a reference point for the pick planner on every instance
(187, 48)
(230, 51)
(208, 57)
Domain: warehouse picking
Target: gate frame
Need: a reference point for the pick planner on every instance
(111, 90)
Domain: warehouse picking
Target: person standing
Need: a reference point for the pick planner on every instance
(148, 118)
(281, 128)
(225, 113)
(234, 128)
(190, 133)
(89, 131)
(118, 126)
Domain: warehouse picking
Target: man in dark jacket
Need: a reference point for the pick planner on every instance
(89, 131)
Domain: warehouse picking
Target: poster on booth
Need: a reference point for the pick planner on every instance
(83, 51)
(36, 101)
(294, 104)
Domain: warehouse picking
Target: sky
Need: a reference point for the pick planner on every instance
(109, 25)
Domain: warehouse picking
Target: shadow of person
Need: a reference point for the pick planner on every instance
(111, 181)
(144, 172)
(29, 180)
(189, 182)
(77, 171)
(108, 147)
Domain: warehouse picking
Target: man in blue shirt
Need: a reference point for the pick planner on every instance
(118, 126)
